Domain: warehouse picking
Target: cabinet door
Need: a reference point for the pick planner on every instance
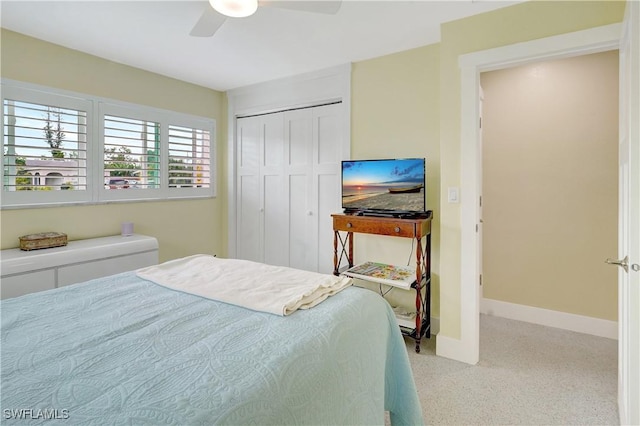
(72, 274)
(29, 282)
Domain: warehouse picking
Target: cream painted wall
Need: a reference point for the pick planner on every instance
(182, 227)
(550, 178)
(394, 113)
(518, 23)
(402, 105)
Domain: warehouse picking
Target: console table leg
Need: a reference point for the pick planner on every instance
(419, 313)
(335, 253)
(350, 239)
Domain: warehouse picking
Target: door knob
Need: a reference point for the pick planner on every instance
(623, 262)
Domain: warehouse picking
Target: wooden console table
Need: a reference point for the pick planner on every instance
(419, 229)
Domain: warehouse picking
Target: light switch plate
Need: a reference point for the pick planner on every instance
(453, 194)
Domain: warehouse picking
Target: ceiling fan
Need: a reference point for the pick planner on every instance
(213, 17)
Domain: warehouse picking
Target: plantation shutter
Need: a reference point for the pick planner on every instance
(62, 148)
(131, 153)
(44, 146)
(189, 157)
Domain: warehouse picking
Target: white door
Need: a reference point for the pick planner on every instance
(249, 244)
(629, 220)
(313, 151)
(327, 155)
(288, 185)
(299, 175)
(273, 199)
(261, 213)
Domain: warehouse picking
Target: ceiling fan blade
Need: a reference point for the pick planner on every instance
(208, 23)
(330, 7)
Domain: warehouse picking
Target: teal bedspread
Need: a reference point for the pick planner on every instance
(121, 350)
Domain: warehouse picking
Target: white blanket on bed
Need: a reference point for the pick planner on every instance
(274, 289)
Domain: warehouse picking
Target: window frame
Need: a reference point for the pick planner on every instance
(21, 198)
(96, 108)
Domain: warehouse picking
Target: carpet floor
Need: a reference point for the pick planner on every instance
(528, 374)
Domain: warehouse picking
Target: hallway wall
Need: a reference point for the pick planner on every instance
(550, 135)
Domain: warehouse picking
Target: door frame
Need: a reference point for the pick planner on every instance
(594, 40)
(629, 211)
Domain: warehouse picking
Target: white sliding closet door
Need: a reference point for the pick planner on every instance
(288, 178)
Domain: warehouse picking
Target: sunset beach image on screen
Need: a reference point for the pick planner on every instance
(392, 184)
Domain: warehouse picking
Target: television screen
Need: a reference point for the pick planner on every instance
(386, 186)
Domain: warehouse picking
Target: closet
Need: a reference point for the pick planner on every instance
(288, 185)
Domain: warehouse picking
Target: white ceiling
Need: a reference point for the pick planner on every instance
(272, 43)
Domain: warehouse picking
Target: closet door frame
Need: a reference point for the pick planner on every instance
(320, 87)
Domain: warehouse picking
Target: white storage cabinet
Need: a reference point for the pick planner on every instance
(24, 272)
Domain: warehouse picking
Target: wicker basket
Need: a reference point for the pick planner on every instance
(43, 240)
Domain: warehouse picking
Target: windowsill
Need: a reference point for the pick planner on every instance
(97, 203)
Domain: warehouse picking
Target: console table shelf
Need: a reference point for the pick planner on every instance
(344, 228)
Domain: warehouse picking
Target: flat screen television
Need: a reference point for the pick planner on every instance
(388, 187)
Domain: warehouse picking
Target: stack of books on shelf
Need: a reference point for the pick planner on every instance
(397, 276)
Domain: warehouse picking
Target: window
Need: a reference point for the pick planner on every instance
(45, 147)
(189, 160)
(61, 147)
(131, 153)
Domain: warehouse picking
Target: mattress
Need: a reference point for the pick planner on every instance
(122, 350)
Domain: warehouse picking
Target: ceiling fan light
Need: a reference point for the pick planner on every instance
(235, 8)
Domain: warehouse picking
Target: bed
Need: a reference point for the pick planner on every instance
(125, 350)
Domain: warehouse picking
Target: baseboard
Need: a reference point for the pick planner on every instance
(563, 320)
(435, 326)
(455, 349)
(622, 406)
